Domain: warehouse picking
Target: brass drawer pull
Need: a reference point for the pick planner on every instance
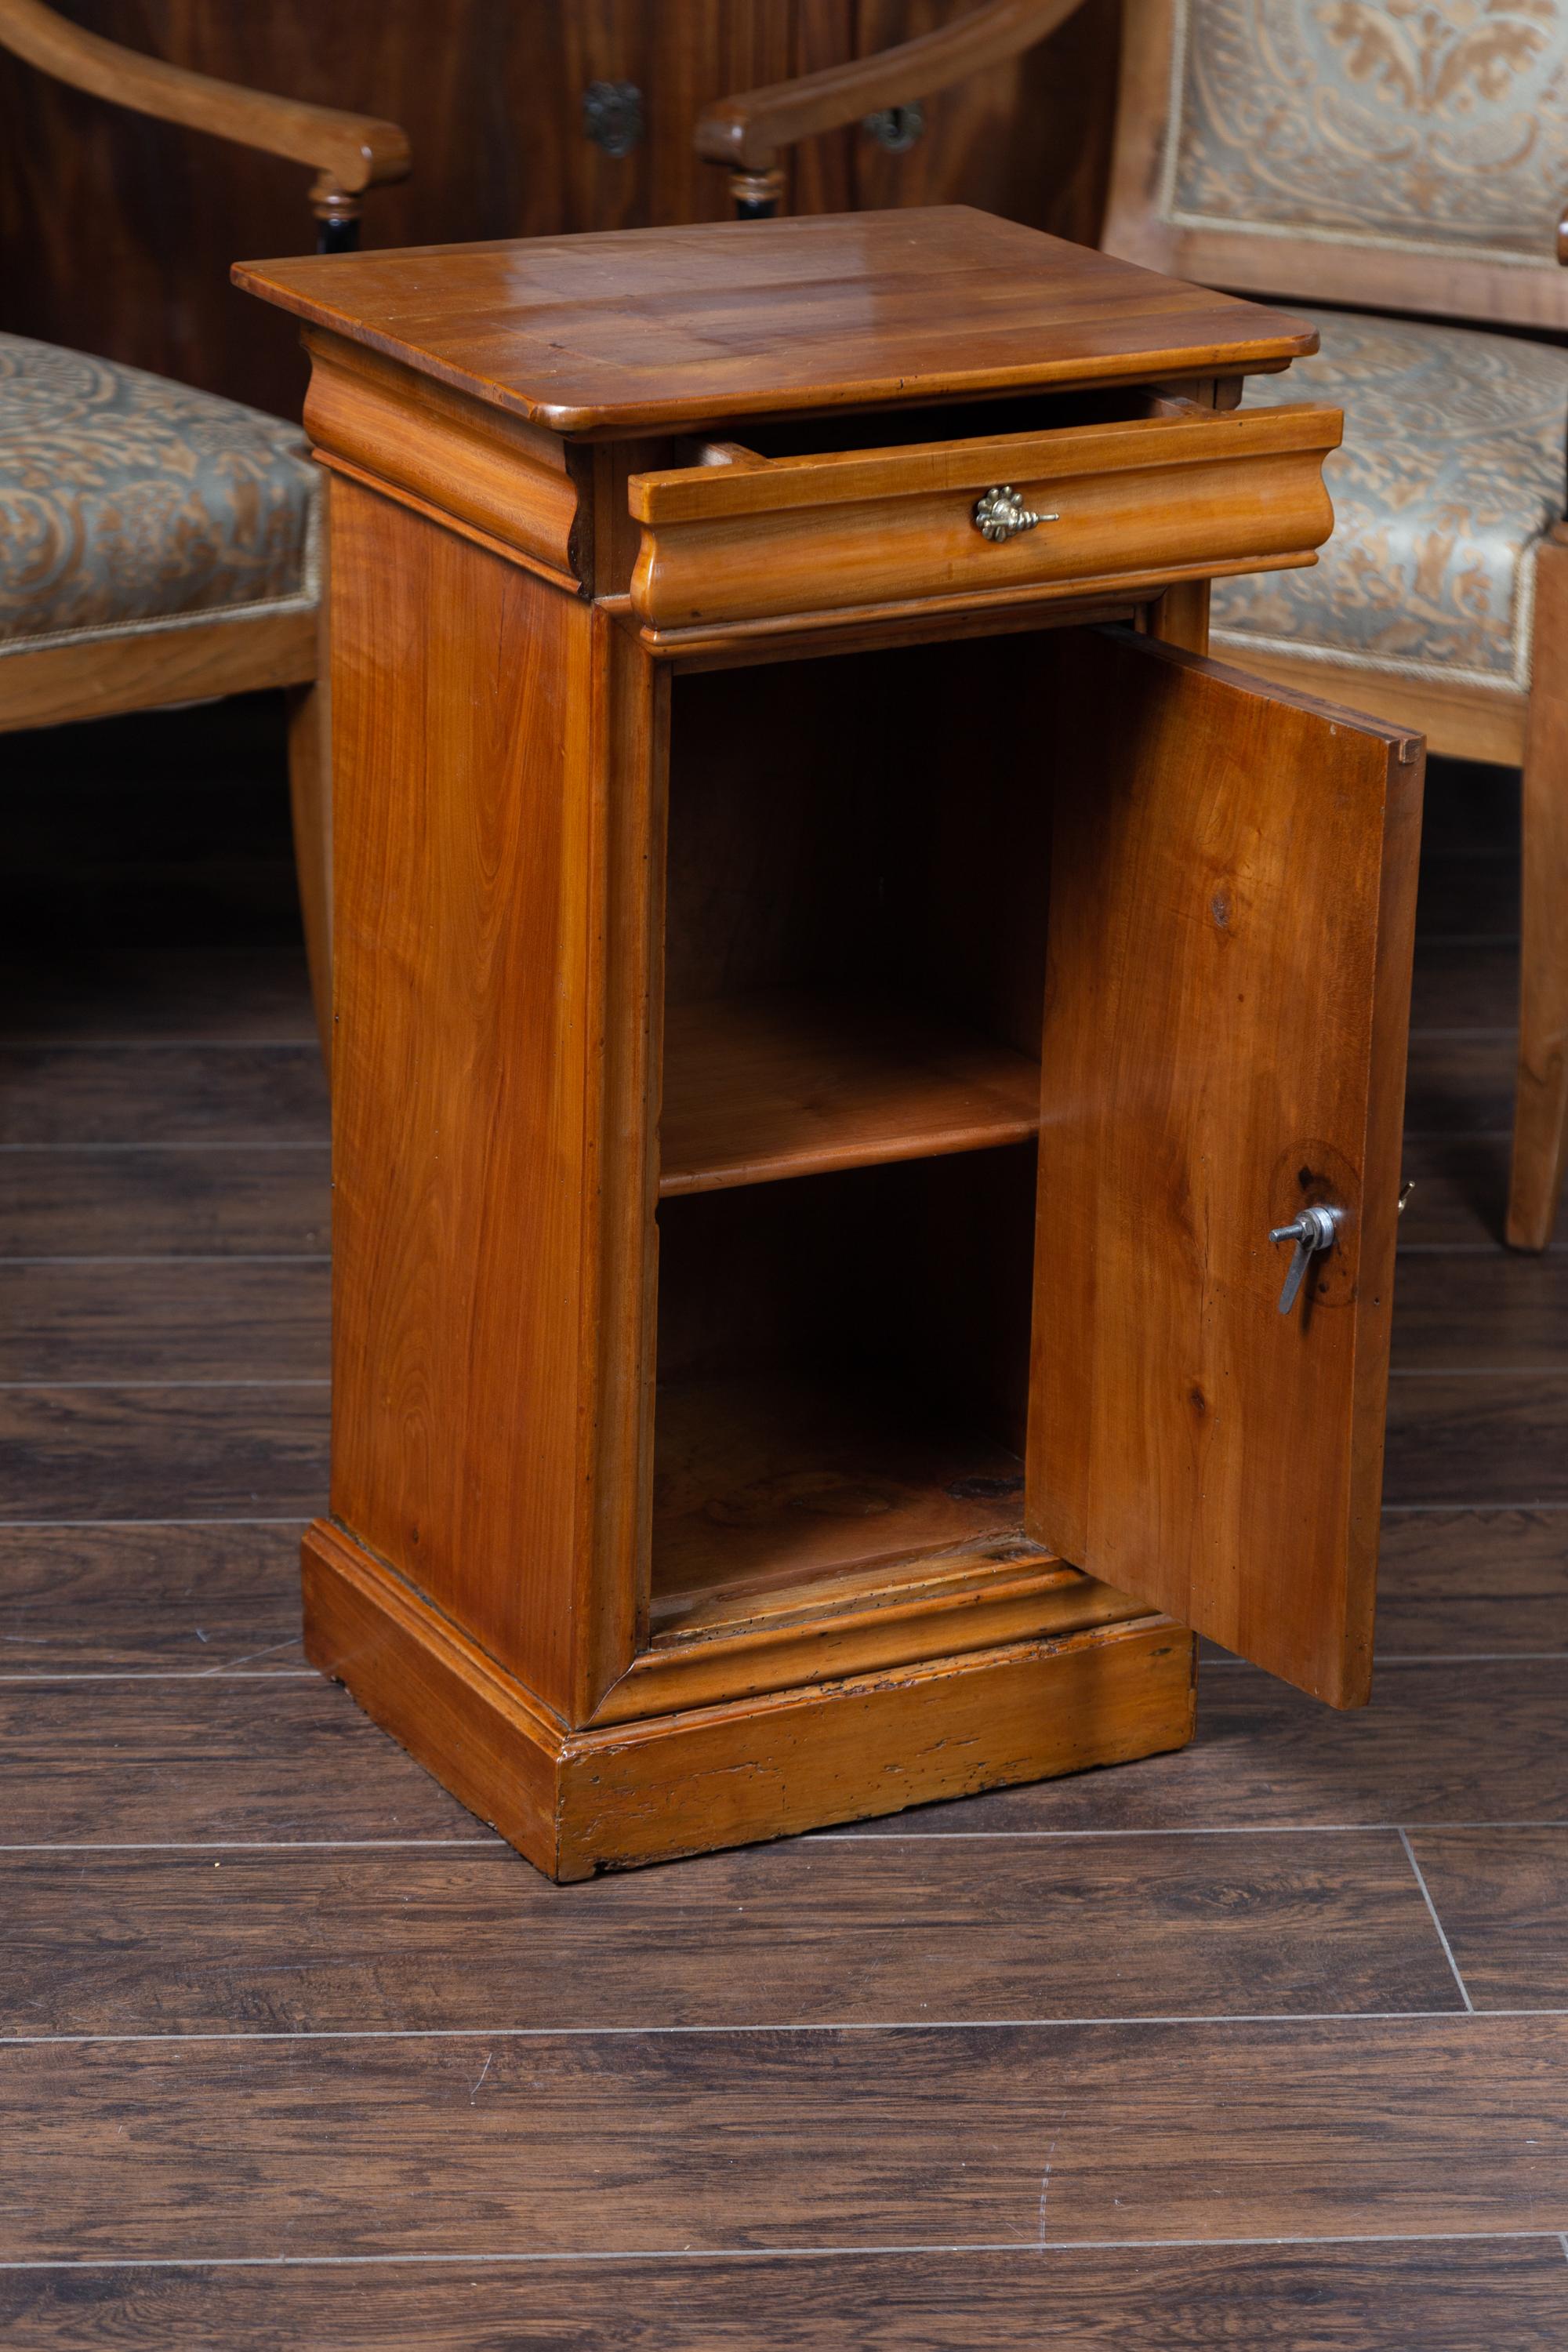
(1001, 513)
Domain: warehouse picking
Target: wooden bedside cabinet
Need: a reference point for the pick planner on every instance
(845, 1021)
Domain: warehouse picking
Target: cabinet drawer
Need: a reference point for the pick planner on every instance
(1178, 495)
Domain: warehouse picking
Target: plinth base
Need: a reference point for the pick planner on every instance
(576, 1802)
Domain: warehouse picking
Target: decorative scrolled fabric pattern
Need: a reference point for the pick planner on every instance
(1437, 124)
(1455, 462)
(127, 501)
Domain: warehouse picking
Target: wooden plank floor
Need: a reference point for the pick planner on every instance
(1262, 2045)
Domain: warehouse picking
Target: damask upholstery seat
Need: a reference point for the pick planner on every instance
(1454, 466)
(128, 502)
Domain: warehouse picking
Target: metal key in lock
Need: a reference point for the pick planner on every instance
(1312, 1230)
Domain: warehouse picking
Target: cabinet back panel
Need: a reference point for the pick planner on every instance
(843, 1368)
(876, 822)
(925, 1265)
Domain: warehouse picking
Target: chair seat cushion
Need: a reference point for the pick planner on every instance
(1452, 466)
(127, 501)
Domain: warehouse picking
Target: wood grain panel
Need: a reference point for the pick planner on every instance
(190, 1201)
(285, 1760)
(852, 1620)
(1029, 139)
(1446, 2294)
(778, 1482)
(474, 823)
(808, 1932)
(494, 115)
(493, 111)
(1540, 1112)
(767, 1085)
(752, 1765)
(507, 479)
(834, 858)
(177, 663)
(178, 1322)
(1458, 722)
(739, 42)
(1221, 858)
(1472, 1581)
(862, 309)
(485, 2145)
(162, 1453)
(1502, 1896)
(123, 1600)
(865, 526)
(875, 1742)
(173, 1094)
(1482, 1438)
(1475, 1741)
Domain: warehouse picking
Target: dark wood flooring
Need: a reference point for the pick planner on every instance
(1262, 2045)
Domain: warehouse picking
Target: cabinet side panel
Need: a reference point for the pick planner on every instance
(466, 1098)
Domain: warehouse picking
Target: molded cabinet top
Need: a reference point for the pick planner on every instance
(638, 328)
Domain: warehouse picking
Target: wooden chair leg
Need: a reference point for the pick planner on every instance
(311, 796)
(1541, 1109)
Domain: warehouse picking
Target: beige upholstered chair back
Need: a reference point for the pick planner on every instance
(1410, 155)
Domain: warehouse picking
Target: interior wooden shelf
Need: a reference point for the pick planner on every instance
(757, 1087)
(771, 1482)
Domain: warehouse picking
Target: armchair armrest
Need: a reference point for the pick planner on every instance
(350, 152)
(749, 131)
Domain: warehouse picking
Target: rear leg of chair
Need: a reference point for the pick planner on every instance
(311, 796)
(1541, 1107)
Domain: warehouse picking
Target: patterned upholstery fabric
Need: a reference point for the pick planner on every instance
(1453, 464)
(1434, 124)
(127, 501)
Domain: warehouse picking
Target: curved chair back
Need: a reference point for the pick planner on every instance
(1349, 151)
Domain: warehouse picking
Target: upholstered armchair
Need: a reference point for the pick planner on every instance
(158, 544)
(1363, 155)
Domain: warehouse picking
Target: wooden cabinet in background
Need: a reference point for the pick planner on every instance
(836, 999)
(116, 233)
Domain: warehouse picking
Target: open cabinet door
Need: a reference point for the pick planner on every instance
(1232, 893)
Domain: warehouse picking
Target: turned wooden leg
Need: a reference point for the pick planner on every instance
(1540, 1109)
(311, 796)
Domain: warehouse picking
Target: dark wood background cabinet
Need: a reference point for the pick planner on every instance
(117, 232)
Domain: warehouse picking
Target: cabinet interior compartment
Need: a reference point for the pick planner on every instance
(854, 928)
(904, 428)
(843, 1379)
(854, 911)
